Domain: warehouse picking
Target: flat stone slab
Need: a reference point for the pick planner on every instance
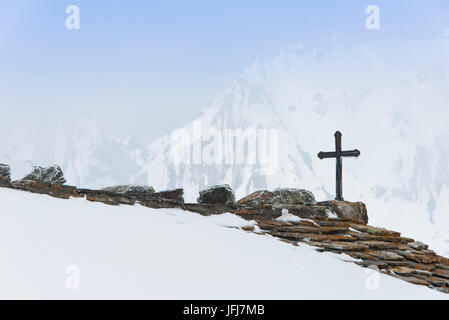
(379, 244)
(374, 231)
(418, 245)
(340, 246)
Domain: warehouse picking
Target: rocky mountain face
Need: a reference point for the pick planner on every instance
(388, 104)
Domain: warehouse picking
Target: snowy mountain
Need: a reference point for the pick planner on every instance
(390, 100)
(268, 155)
(88, 156)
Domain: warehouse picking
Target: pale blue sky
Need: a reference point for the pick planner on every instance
(156, 64)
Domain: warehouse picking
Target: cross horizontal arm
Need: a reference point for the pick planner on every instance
(350, 153)
(323, 155)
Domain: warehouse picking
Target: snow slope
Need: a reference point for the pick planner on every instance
(136, 252)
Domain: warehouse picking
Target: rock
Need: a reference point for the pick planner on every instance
(126, 200)
(104, 199)
(384, 255)
(441, 266)
(5, 172)
(421, 266)
(54, 190)
(419, 258)
(441, 273)
(205, 210)
(306, 223)
(379, 244)
(418, 245)
(443, 262)
(340, 246)
(303, 211)
(292, 196)
(136, 192)
(332, 223)
(362, 255)
(437, 282)
(279, 198)
(375, 231)
(176, 194)
(369, 237)
(369, 263)
(222, 194)
(275, 223)
(413, 280)
(315, 237)
(410, 271)
(257, 199)
(397, 263)
(355, 211)
(51, 175)
(304, 234)
(304, 227)
(320, 230)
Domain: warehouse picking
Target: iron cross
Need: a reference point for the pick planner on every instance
(337, 154)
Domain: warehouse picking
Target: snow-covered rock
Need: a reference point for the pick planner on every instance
(292, 196)
(217, 194)
(288, 217)
(5, 172)
(131, 191)
(278, 198)
(51, 175)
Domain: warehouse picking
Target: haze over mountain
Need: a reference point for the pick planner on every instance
(388, 99)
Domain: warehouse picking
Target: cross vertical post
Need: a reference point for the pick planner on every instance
(338, 154)
(339, 167)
